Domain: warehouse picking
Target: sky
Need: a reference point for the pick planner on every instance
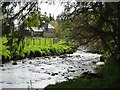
(53, 9)
(52, 6)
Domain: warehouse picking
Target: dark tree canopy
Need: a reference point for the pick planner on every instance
(96, 22)
(21, 15)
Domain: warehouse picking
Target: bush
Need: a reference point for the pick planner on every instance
(34, 50)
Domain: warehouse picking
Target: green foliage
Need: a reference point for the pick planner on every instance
(8, 15)
(55, 24)
(4, 50)
(57, 28)
(35, 20)
(34, 47)
(7, 27)
(95, 24)
(45, 18)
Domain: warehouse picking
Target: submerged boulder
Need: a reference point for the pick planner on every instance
(90, 75)
(53, 74)
(62, 56)
(14, 63)
(102, 59)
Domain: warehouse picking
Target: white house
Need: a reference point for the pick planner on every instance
(47, 31)
(35, 31)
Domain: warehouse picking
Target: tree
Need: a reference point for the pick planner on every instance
(36, 20)
(8, 23)
(10, 15)
(33, 20)
(96, 22)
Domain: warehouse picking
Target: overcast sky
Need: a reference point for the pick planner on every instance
(53, 9)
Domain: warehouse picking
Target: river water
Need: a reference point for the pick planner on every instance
(42, 71)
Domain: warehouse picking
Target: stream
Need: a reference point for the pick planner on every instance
(39, 72)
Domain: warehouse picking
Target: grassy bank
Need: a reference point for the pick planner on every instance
(110, 80)
(34, 47)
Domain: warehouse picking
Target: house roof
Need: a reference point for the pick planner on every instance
(48, 26)
(35, 29)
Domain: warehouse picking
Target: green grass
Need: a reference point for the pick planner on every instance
(33, 47)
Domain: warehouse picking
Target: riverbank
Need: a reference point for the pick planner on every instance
(35, 48)
(109, 79)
